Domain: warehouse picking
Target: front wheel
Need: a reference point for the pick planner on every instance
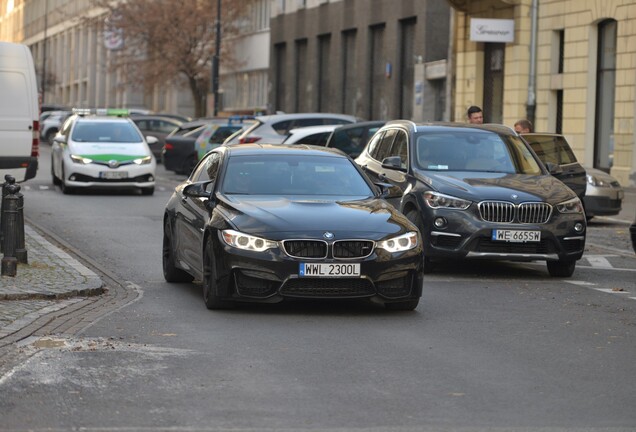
(170, 271)
(211, 296)
(561, 268)
(416, 219)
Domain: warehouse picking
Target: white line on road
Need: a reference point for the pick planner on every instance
(599, 261)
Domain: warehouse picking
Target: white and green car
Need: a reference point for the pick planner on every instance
(102, 151)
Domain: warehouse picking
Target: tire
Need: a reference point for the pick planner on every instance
(170, 272)
(561, 268)
(50, 134)
(148, 191)
(211, 296)
(407, 305)
(414, 216)
(56, 181)
(66, 190)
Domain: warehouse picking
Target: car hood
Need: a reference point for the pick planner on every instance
(480, 186)
(310, 217)
(109, 151)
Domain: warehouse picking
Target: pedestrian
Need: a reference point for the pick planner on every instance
(523, 126)
(475, 115)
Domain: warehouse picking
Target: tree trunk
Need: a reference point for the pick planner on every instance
(199, 97)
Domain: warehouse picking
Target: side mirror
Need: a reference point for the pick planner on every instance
(199, 189)
(553, 168)
(387, 190)
(393, 162)
(152, 140)
(61, 139)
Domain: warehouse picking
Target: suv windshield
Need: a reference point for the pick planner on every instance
(474, 151)
(112, 132)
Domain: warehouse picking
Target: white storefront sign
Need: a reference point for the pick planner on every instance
(492, 30)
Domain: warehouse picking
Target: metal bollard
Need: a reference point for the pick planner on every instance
(8, 179)
(10, 220)
(20, 246)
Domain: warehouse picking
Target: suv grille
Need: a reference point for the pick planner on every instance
(507, 212)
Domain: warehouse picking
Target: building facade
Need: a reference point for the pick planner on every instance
(570, 68)
(375, 59)
(73, 59)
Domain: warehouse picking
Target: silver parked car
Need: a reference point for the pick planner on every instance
(603, 195)
(274, 129)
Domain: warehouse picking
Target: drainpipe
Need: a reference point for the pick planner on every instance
(450, 64)
(532, 73)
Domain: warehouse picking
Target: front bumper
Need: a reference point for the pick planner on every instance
(466, 235)
(273, 276)
(92, 176)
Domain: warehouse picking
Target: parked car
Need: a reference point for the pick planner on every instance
(52, 124)
(263, 223)
(181, 151)
(158, 127)
(557, 155)
(477, 192)
(181, 142)
(603, 195)
(311, 135)
(352, 138)
(213, 135)
(178, 117)
(94, 151)
(273, 129)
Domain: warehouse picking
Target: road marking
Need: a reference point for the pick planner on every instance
(580, 283)
(599, 261)
(44, 187)
(611, 291)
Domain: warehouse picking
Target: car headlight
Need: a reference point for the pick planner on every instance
(570, 206)
(595, 181)
(438, 200)
(244, 241)
(143, 161)
(400, 243)
(81, 159)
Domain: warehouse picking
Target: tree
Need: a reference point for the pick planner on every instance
(169, 42)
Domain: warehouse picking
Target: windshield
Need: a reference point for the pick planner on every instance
(474, 150)
(293, 175)
(115, 132)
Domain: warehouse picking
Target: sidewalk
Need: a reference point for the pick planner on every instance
(51, 280)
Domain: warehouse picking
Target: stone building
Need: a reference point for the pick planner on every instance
(375, 59)
(72, 59)
(570, 66)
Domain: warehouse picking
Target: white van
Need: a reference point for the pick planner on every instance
(19, 113)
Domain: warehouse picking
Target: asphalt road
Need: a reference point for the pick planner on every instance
(492, 346)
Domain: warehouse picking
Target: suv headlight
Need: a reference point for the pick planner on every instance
(81, 159)
(400, 243)
(437, 200)
(595, 181)
(244, 241)
(143, 161)
(570, 206)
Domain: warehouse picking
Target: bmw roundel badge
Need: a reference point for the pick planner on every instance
(328, 235)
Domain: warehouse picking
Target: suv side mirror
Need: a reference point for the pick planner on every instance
(553, 168)
(61, 139)
(393, 162)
